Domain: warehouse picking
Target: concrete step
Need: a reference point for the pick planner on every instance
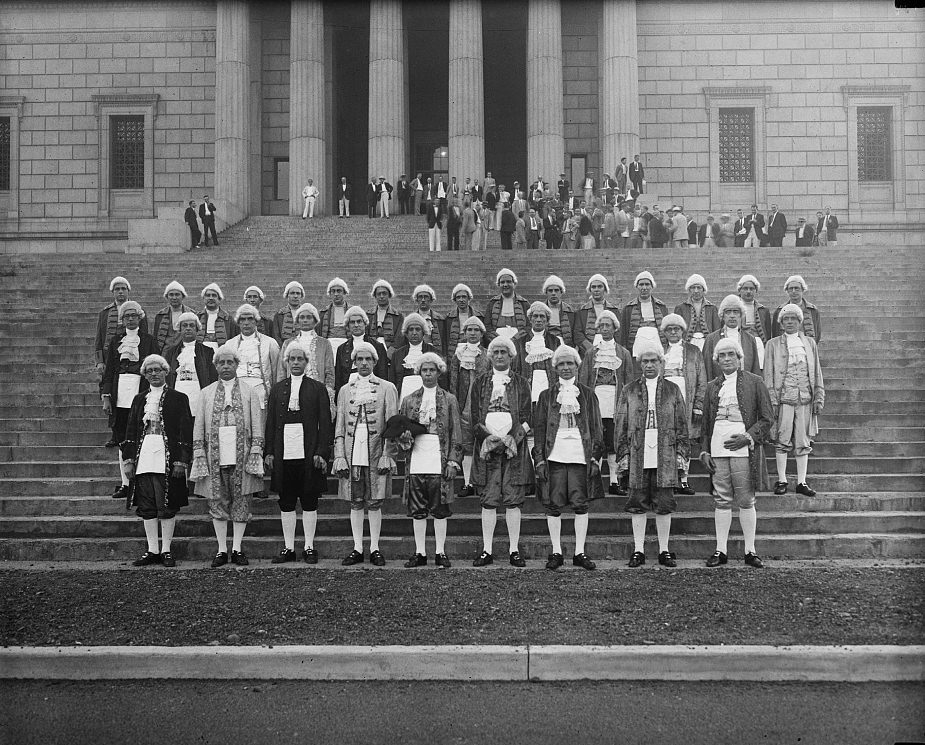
(462, 549)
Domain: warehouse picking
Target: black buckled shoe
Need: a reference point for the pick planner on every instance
(442, 561)
(376, 558)
(780, 487)
(284, 556)
(517, 560)
(685, 489)
(716, 559)
(667, 559)
(111, 443)
(637, 559)
(167, 559)
(554, 561)
(310, 556)
(121, 492)
(616, 490)
(147, 559)
(753, 560)
(416, 560)
(584, 561)
(483, 559)
(238, 558)
(805, 490)
(221, 558)
(354, 557)
(468, 491)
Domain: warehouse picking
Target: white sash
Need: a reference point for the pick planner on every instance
(191, 389)
(360, 454)
(293, 441)
(538, 384)
(499, 423)
(425, 455)
(227, 445)
(128, 389)
(606, 399)
(409, 384)
(723, 429)
(152, 458)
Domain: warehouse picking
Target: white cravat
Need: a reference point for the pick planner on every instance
(152, 403)
(229, 387)
(499, 381)
(294, 392)
(428, 411)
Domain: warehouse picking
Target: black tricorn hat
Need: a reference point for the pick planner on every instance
(398, 424)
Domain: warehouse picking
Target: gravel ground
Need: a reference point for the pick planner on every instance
(497, 606)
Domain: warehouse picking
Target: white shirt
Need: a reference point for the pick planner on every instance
(211, 316)
(294, 392)
(310, 191)
(228, 386)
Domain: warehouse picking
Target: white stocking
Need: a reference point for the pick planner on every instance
(440, 527)
(554, 523)
(581, 532)
(512, 517)
(309, 524)
(237, 535)
(748, 519)
(802, 466)
(122, 474)
(639, 532)
(781, 459)
(356, 527)
(467, 470)
(375, 529)
(420, 536)
(723, 521)
(151, 534)
(221, 534)
(167, 527)
(612, 468)
(489, 521)
(662, 528)
(288, 521)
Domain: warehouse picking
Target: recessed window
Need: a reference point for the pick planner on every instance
(736, 146)
(5, 153)
(127, 152)
(875, 151)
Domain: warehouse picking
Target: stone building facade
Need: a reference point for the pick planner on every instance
(114, 115)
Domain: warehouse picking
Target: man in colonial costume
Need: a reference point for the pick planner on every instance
(228, 454)
(166, 329)
(585, 328)
(737, 417)
(652, 445)
(425, 296)
(297, 446)
(468, 362)
(731, 312)
(535, 348)
(358, 329)
(320, 357)
(284, 322)
(502, 469)
(605, 370)
(258, 355)
(156, 453)
(456, 319)
(384, 320)
(793, 375)
(122, 377)
(506, 312)
(253, 295)
(217, 324)
(561, 313)
(684, 367)
(699, 314)
(757, 318)
(190, 361)
(433, 458)
(361, 463)
(642, 316)
(404, 360)
(333, 325)
(795, 286)
(569, 447)
(108, 324)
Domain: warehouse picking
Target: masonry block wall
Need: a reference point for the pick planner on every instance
(580, 85)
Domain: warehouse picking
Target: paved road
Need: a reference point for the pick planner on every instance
(187, 712)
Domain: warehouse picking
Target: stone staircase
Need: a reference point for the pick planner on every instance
(868, 465)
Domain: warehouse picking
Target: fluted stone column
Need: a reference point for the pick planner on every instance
(545, 141)
(306, 105)
(387, 91)
(619, 84)
(467, 99)
(232, 108)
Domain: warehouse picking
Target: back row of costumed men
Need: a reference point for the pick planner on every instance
(496, 418)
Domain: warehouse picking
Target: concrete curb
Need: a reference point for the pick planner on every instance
(470, 662)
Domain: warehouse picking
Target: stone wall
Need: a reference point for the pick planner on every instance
(580, 85)
(275, 112)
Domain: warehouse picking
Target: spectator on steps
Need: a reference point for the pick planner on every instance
(827, 228)
(310, 195)
(803, 234)
(207, 216)
(189, 217)
(344, 194)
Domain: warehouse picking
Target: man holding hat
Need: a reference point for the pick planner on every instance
(425, 296)
(506, 312)
(108, 324)
(217, 324)
(333, 327)
(569, 446)
(642, 316)
(358, 329)
(793, 375)
(699, 314)
(651, 433)
(166, 329)
(404, 360)
(297, 446)
(468, 362)
(502, 469)
(384, 319)
(561, 314)
(284, 322)
(795, 286)
(737, 416)
(190, 361)
(584, 329)
(434, 457)
(228, 454)
(156, 453)
(457, 318)
(731, 313)
(123, 378)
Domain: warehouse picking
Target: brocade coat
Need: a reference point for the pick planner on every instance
(520, 467)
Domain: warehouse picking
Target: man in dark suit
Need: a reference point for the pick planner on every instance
(551, 232)
(189, 217)
(404, 195)
(564, 188)
(804, 233)
(508, 225)
(777, 227)
(739, 230)
(827, 228)
(343, 195)
(297, 445)
(621, 175)
(637, 174)
(207, 216)
(372, 196)
(691, 231)
(532, 225)
(453, 224)
(754, 229)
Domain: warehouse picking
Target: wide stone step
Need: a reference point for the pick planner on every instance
(63, 506)
(858, 434)
(462, 549)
